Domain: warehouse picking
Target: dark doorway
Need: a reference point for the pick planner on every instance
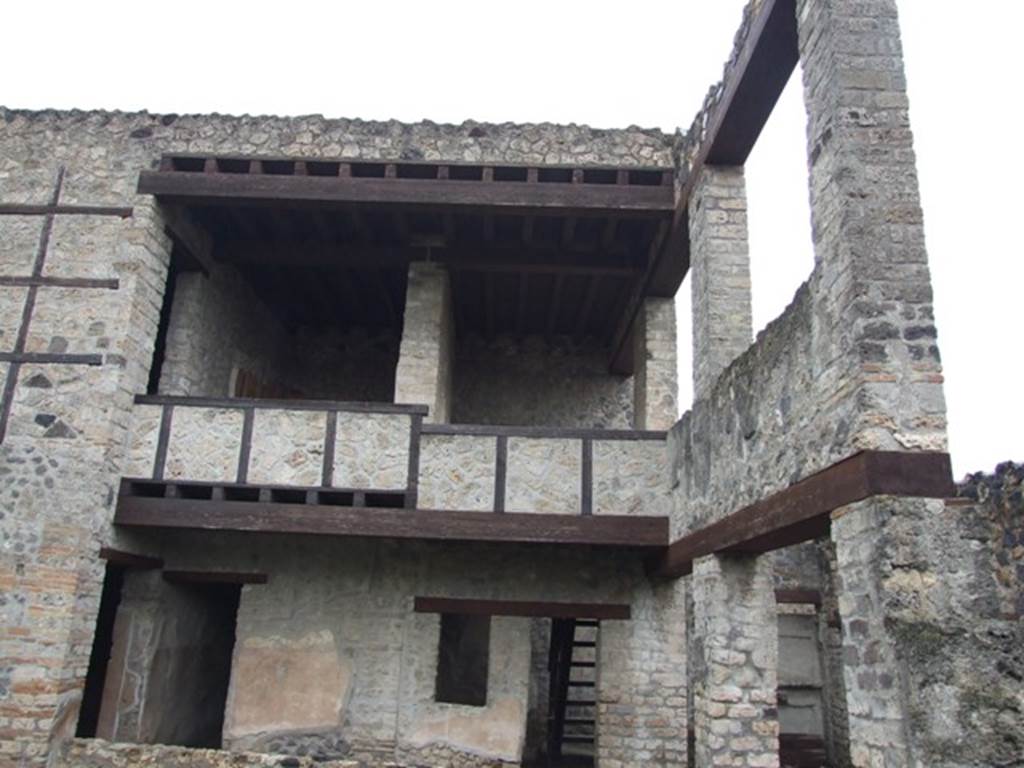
(462, 659)
(572, 674)
(192, 670)
(99, 657)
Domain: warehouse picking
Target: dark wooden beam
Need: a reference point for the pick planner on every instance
(589, 296)
(218, 189)
(802, 511)
(269, 517)
(622, 348)
(191, 236)
(214, 577)
(762, 68)
(289, 405)
(523, 608)
(798, 596)
(130, 559)
(494, 258)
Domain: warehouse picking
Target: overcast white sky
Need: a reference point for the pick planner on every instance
(609, 64)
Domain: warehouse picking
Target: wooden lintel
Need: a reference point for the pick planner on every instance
(524, 608)
(130, 559)
(798, 596)
(192, 237)
(214, 577)
(802, 511)
(219, 189)
(635, 532)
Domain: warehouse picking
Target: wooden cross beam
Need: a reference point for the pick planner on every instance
(36, 280)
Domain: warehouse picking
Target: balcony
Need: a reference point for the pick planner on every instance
(375, 469)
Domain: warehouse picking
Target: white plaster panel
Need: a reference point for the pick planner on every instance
(204, 444)
(630, 477)
(544, 475)
(371, 450)
(287, 447)
(457, 472)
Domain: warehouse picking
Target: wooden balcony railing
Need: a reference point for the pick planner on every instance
(375, 469)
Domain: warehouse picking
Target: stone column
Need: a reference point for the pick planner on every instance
(641, 681)
(655, 377)
(720, 274)
(871, 287)
(734, 668)
(424, 373)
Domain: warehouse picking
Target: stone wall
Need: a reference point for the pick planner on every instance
(641, 682)
(352, 667)
(50, 572)
(543, 474)
(933, 664)
(219, 326)
(656, 372)
(371, 450)
(534, 381)
(96, 753)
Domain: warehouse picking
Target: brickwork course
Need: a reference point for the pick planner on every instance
(891, 636)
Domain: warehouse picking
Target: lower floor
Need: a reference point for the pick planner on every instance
(381, 651)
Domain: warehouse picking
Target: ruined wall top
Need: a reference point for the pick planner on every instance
(688, 144)
(470, 141)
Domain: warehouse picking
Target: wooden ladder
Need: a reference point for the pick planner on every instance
(571, 710)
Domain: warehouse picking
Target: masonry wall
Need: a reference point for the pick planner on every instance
(219, 326)
(64, 441)
(534, 381)
(352, 667)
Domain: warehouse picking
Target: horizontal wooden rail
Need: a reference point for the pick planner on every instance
(279, 405)
(568, 433)
(524, 608)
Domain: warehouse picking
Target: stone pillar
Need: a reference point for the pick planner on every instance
(734, 669)
(872, 289)
(655, 377)
(720, 274)
(641, 681)
(424, 373)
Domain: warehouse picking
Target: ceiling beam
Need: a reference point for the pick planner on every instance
(496, 258)
(219, 189)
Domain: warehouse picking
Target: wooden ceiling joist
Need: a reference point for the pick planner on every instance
(584, 191)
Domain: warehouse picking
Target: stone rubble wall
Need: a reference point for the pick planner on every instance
(371, 450)
(219, 326)
(543, 475)
(933, 663)
(538, 382)
(352, 667)
(49, 569)
(97, 753)
(656, 376)
(641, 682)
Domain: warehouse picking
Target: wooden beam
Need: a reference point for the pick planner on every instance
(622, 348)
(214, 577)
(762, 68)
(130, 559)
(627, 531)
(219, 189)
(798, 596)
(493, 258)
(522, 608)
(802, 511)
(191, 236)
